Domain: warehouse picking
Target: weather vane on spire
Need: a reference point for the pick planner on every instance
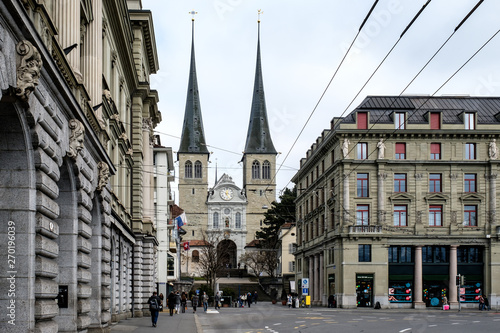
(193, 13)
(259, 12)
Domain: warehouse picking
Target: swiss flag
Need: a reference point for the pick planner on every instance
(186, 246)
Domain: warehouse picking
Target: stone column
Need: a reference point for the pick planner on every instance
(452, 296)
(147, 151)
(418, 278)
(92, 59)
(493, 198)
(67, 20)
(381, 197)
(322, 278)
(311, 275)
(346, 198)
(316, 279)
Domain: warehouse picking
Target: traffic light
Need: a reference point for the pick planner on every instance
(458, 280)
(462, 280)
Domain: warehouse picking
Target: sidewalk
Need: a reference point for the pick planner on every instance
(182, 322)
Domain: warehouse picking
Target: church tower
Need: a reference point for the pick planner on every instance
(259, 156)
(193, 157)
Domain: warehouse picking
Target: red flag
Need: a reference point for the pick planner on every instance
(186, 246)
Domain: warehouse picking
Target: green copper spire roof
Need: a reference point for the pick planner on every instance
(258, 136)
(193, 135)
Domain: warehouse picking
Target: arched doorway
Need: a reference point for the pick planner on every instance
(226, 252)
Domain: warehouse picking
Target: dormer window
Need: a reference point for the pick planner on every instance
(470, 121)
(362, 120)
(399, 120)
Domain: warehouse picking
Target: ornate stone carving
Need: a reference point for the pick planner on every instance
(147, 124)
(419, 176)
(107, 94)
(490, 176)
(382, 175)
(492, 216)
(493, 150)
(345, 148)
(381, 149)
(76, 138)
(28, 69)
(381, 216)
(453, 176)
(103, 175)
(453, 217)
(418, 219)
(114, 58)
(130, 151)
(124, 136)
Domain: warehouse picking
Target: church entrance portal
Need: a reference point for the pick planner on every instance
(226, 251)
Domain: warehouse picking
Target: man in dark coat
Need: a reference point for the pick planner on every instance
(171, 303)
(154, 307)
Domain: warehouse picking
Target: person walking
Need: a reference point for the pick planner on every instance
(205, 301)
(486, 303)
(194, 302)
(255, 296)
(217, 301)
(154, 307)
(244, 298)
(171, 303)
(161, 298)
(177, 302)
(289, 301)
(249, 299)
(481, 303)
(183, 302)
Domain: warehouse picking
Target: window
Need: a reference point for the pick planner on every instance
(266, 170)
(362, 120)
(400, 216)
(436, 216)
(469, 120)
(196, 256)
(435, 151)
(362, 185)
(170, 265)
(255, 170)
(435, 182)
(188, 169)
(400, 151)
(237, 222)
(400, 254)
(364, 253)
(435, 254)
(470, 182)
(470, 216)
(362, 151)
(400, 182)
(469, 254)
(362, 212)
(331, 256)
(291, 266)
(197, 169)
(435, 120)
(470, 151)
(399, 120)
(216, 220)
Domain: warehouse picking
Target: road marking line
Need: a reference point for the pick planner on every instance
(406, 329)
(277, 324)
(432, 325)
(476, 321)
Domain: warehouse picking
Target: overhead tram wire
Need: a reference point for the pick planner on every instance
(324, 91)
(371, 76)
(419, 72)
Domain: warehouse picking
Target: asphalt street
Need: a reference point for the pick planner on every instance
(265, 317)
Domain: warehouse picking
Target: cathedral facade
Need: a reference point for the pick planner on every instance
(232, 212)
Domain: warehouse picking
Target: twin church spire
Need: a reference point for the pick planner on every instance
(258, 139)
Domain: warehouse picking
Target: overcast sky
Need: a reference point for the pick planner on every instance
(302, 43)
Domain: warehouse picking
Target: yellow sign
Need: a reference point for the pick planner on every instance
(308, 300)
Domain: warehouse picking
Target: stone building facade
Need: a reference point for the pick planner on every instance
(398, 198)
(77, 113)
(259, 166)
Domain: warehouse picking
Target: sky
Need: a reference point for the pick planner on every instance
(302, 45)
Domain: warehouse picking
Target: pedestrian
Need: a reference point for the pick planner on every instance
(217, 301)
(255, 296)
(154, 307)
(171, 303)
(177, 302)
(481, 303)
(205, 301)
(161, 305)
(249, 299)
(244, 299)
(183, 302)
(289, 301)
(240, 301)
(486, 303)
(194, 302)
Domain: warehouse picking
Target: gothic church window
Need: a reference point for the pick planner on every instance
(266, 170)
(238, 221)
(216, 220)
(197, 169)
(188, 169)
(255, 170)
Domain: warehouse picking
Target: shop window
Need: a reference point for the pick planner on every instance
(435, 254)
(400, 182)
(470, 216)
(470, 183)
(362, 185)
(469, 254)
(400, 151)
(400, 254)
(364, 253)
(436, 216)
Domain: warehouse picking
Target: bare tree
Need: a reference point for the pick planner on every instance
(254, 261)
(211, 256)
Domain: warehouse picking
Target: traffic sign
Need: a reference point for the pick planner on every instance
(305, 291)
(305, 283)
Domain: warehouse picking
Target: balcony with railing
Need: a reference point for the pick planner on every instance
(365, 229)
